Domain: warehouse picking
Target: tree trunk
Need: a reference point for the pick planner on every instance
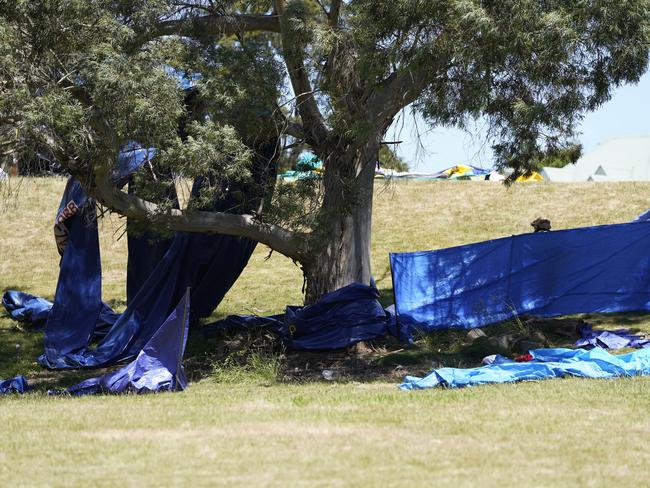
(340, 254)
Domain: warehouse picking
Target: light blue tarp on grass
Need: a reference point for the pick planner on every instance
(158, 367)
(592, 269)
(546, 363)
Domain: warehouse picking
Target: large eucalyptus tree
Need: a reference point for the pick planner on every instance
(83, 77)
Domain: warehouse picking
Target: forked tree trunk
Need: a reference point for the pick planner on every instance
(340, 254)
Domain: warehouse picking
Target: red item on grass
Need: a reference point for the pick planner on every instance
(524, 358)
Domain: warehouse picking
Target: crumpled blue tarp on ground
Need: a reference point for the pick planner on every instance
(546, 363)
(24, 307)
(610, 339)
(34, 311)
(339, 319)
(158, 367)
(546, 274)
(17, 384)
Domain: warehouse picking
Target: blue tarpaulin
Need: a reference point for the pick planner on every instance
(34, 311)
(18, 384)
(546, 363)
(592, 269)
(158, 366)
(26, 308)
(145, 248)
(610, 339)
(143, 315)
(643, 217)
(208, 264)
(339, 319)
(76, 315)
(131, 158)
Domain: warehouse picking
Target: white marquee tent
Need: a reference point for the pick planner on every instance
(619, 159)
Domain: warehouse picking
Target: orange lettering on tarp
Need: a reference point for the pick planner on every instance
(68, 211)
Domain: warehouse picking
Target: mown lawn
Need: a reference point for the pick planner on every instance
(244, 427)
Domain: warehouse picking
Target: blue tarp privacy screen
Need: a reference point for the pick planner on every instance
(547, 363)
(592, 269)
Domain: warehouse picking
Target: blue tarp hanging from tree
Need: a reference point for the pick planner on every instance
(157, 367)
(146, 248)
(208, 264)
(77, 299)
(592, 269)
(546, 363)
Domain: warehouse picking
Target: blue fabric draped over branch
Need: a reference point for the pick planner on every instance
(592, 269)
(145, 248)
(81, 330)
(209, 265)
(547, 363)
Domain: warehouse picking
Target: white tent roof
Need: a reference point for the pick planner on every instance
(619, 159)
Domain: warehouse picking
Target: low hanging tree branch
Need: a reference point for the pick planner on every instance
(101, 187)
(276, 237)
(219, 25)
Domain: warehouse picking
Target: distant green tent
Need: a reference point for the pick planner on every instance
(308, 166)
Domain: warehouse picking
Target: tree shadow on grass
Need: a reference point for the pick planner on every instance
(384, 359)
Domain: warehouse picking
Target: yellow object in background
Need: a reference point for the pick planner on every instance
(459, 170)
(535, 176)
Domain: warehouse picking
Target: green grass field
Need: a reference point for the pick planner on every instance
(246, 421)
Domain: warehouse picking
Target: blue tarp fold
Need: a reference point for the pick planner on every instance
(546, 363)
(339, 319)
(73, 321)
(592, 269)
(17, 384)
(34, 311)
(344, 317)
(26, 308)
(610, 339)
(146, 248)
(157, 367)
